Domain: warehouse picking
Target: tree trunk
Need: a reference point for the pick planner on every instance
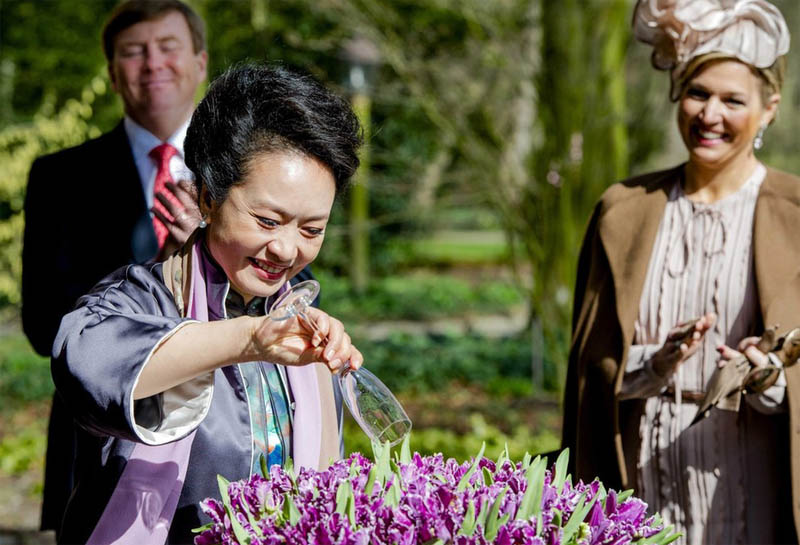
(359, 204)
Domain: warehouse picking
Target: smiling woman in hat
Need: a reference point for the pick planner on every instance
(679, 271)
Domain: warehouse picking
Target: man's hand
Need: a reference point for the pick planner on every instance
(183, 218)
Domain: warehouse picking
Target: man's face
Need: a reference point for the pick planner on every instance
(156, 71)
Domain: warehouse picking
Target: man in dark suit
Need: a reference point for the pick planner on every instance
(118, 199)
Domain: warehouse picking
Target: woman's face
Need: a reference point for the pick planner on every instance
(272, 224)
(720, 112)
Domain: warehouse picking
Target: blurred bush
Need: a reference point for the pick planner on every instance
(424, 363)
(50, 51)
(22, 451)
(25, 392)
(416, 296)
(24, 375)
(462, 446)
(20, 144)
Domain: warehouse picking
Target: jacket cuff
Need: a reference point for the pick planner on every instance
(174, 413)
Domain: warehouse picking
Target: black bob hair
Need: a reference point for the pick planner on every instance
(253, 109)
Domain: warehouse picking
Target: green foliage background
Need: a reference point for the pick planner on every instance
(500, 116)
(510, 115)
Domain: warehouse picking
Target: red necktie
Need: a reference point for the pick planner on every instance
(161, 155)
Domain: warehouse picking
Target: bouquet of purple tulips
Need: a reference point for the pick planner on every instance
(413, 499)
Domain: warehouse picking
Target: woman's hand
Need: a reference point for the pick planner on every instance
(680, 345)
(295, 342)
(201, 347)
(748, 348)
(755, 372)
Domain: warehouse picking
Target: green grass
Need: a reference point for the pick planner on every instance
(436, 251)
(24, 375)
(419, 296)
(467, 247)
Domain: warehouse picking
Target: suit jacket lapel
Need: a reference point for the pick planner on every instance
(119, 159)
(628, 231)
(125, 177)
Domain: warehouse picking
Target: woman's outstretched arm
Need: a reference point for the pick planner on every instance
(201, 347)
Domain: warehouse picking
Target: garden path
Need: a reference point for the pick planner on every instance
(487, 325)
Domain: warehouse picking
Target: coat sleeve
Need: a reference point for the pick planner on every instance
(589, 424)
(101, 349)
(573, 386)
(640, 380)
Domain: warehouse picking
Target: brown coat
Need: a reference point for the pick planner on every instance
(600, 430)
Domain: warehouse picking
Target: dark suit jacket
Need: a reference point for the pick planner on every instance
(85, 216)
(601, 431)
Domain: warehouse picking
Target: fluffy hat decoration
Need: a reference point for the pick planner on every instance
(752, 31)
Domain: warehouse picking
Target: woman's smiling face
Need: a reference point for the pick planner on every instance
(272, 223)
(720, 112)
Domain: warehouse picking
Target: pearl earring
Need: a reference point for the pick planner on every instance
(758, 141)
(202, 224)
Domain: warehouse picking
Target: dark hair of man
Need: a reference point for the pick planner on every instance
(255, 109)
(129, 13)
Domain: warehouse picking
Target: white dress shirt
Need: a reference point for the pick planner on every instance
(142, 142)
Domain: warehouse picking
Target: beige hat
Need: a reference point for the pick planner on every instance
(752, 31)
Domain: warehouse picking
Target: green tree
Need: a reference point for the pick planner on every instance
(582, 108)
(20, 144)
(50, 50)
(528, 100)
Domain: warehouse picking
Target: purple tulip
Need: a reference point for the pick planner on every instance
(419, 502)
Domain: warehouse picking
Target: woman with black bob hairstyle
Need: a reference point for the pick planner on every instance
(267, 110)
(172, 370)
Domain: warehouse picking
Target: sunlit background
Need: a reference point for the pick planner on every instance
(493, 127)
